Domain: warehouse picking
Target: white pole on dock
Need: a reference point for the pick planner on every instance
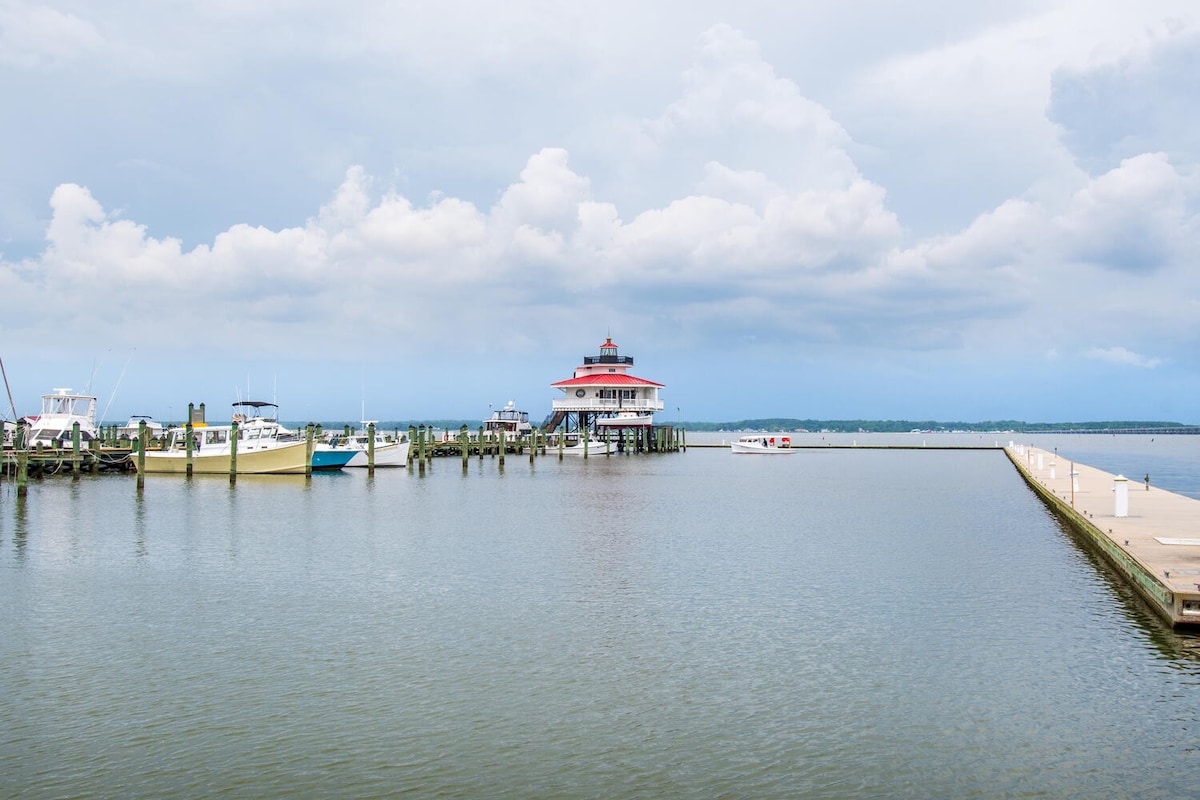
(1120, 496)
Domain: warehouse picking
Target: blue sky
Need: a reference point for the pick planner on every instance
(928, 210)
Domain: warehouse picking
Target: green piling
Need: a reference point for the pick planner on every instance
(233, 440)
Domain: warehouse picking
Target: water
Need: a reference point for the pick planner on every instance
(834, 624)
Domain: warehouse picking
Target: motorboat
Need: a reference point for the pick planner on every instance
(578, 446)
(762, 444)
(389, 451)
(131, 429)
(263, 447)
(61, 409)
(328, 457)
(509, 420)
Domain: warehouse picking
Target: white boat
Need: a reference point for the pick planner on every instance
(389, 451)
(130, 430)
(575, 446)
(60, 411)
(509, 420)
(264, 447)
(763, 444)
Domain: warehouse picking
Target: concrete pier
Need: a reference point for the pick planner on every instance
(1149, 535)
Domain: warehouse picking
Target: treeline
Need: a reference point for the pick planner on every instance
(904, 426)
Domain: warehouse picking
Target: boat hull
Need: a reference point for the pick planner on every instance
(286, 459)
(392, 454)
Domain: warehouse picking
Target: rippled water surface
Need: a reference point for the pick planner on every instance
(840, 623)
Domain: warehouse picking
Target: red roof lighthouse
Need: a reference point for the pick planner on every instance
(602, 394)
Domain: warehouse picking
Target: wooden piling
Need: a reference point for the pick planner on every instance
(190, 444)
(141, 455)
(370, 447)
(309, 432)
(22, 473)
(463, 445)
(233, 440)
(75, 456)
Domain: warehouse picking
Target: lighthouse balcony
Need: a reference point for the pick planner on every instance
(607, 404)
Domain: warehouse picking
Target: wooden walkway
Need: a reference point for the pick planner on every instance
(1154, 544)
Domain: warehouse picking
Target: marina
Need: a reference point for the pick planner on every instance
(859, 620)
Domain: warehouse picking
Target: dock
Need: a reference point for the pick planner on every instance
(1149, 535)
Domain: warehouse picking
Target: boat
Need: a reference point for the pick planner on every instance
(132, 428)
(763, 444)
(264, 447)
(61, 409)
(389, 451)
(509, 420)
(328, 457)
(575, 446)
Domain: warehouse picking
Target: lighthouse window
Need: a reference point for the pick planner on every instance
(580, 392)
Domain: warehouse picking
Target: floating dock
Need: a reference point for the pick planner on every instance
(1149, 535)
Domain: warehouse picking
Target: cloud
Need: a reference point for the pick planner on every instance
(1122, 357)
(1140, 101)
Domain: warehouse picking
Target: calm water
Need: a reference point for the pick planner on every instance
(834, 624)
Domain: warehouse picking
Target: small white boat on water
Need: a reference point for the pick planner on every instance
(763, 444)
(264, 447)
(390, 451)
(576, 446)
(61, 409)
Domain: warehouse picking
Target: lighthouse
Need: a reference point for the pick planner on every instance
(602, 396)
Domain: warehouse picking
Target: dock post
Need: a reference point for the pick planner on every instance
(189, 444)
(141, 455)
(233, 439)
(421, 449)
(309, 432)
(585, 434)
(75, 449)
(1120, 496)
(533, 434)
(463, 440)
(480, 443)
(500, 446)
(22, 473)
(412, 441)
(370, 447)
(560, 443)
(683, 438)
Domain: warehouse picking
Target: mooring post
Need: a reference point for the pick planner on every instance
(370, 447)
(233, 440)
(309, 432)
(421, 449)
(22, 473)
(412, 445)
(75, 456)
(141, 455)
(500, 445)
(463, 439)
(189, 444)
(533, 437)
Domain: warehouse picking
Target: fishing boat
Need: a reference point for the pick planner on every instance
(262, 447)
(61, 409)
(388, 451)
(763, 444)
(329, 457)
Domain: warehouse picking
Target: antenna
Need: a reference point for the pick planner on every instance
(120, 377)
(11, 404)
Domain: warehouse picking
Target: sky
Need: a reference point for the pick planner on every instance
(930, 210)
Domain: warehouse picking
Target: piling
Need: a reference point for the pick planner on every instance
(22, 473)
(190, 445)
(233, 440)
(75, 457)
(308, 442)
(141, 455)
(370, 448)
